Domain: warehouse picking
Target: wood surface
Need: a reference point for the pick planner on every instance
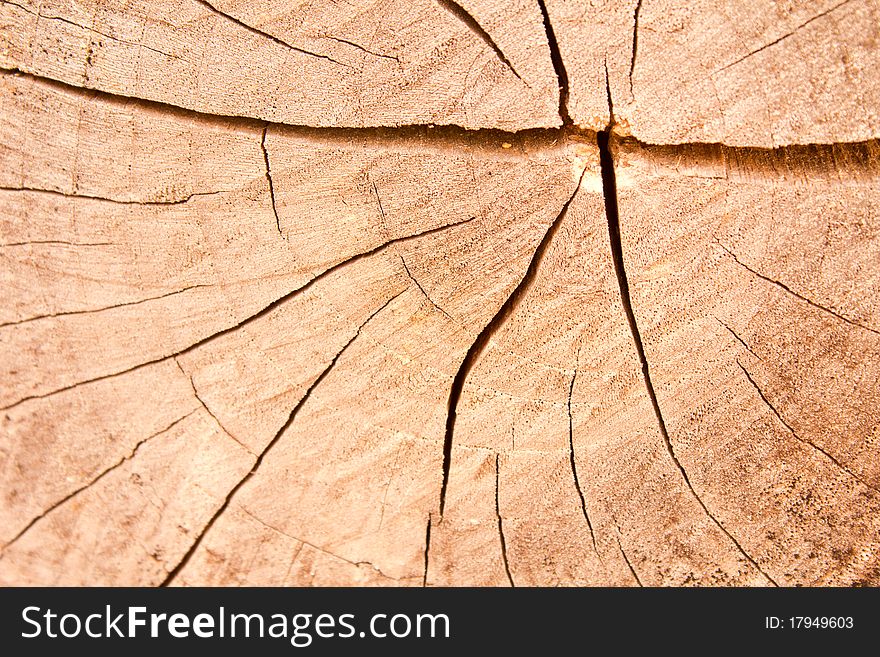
(485, 292)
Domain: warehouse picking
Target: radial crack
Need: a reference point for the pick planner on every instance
(798, 437)
(266, 35)
(99, 310)
(462, 14)
(260, 313)
(635, 44)
(107, 199)
(482, 339)
(558, 65)
(360, 47)
(89, 29)
(572, 462)
(92, 482)
(784, 287)
(269, 179)
(859, 158)
(421, 289)
(847, 163)
(449, 137)
(379, 203)
(783, 37)
(501, 523)
(172, 574)
(628, 564)
(316, 547)
(427, 551)
(53, 243)
(738, 339)
(609, 185)
(208, 410)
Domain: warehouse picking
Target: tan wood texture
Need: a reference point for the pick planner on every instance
(439, 293)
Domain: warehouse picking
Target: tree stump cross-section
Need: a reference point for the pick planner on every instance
(485, 292)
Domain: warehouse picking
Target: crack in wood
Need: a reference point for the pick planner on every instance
(635, 45)
(90, 311)
(361, 48)
(175, 571)
(192, 384)
(430, 137)
(90, 483)
(379, 204)
(797, 295)
(67, 21)
(474, 26)
(558, 66)
(318, 548)
(799, 438)
(629, 565)
(260, 313)
(572, 462)
(845, 163)
(266, 35)
(422, 290)
(738, 339)
(783, 37)
(427, 551)
(859, 160)
(109, 199)
(501, 523)
(269, 180)
(482, 339)
(609, 185)
(53, 243)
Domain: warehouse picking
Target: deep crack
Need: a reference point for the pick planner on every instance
(558, 66)
(427, 551)
(859, 159)
(462, 14)
(482, 339)
(609, 186)
(635, 44)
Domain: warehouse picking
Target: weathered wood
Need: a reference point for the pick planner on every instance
(276, 313)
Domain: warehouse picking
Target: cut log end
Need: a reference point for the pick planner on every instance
(452, 293)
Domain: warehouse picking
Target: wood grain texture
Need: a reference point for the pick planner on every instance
(374, 63)
(428, 294)
(735, 72)
(763, 341)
